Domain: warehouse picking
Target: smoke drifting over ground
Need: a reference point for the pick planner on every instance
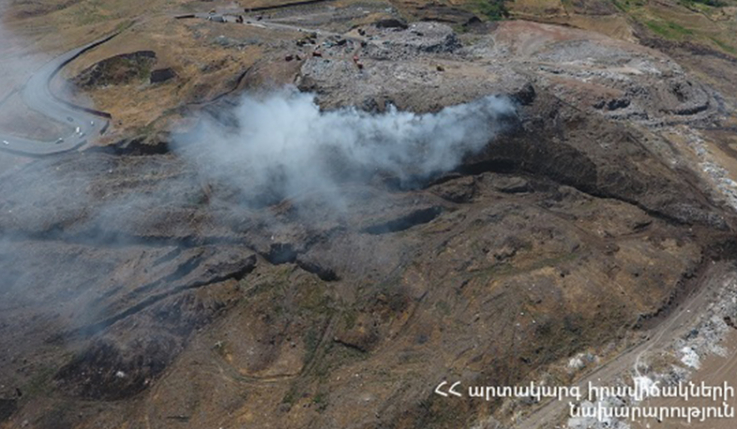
(18, 61)
(283, 144)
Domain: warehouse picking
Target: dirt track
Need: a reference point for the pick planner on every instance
(679, 322)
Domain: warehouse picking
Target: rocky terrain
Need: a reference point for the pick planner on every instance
(140, 290)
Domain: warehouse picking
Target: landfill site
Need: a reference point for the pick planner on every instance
(355, 214)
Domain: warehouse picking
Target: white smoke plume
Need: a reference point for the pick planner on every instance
(285, 143)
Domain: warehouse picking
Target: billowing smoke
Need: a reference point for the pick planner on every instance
(285, 144)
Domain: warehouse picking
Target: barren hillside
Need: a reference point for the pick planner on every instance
(310, 215)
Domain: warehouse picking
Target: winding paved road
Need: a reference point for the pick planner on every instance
(87, 123)
(37, 95)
